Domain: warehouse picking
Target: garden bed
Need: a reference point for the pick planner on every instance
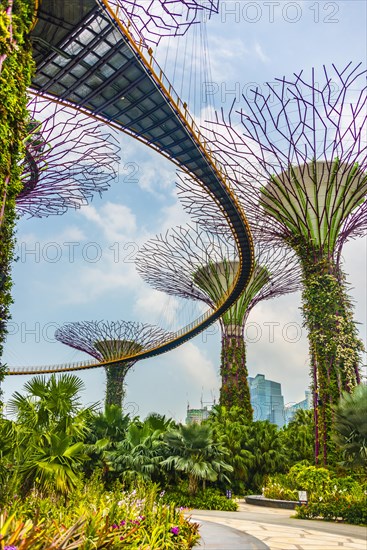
(259, 500)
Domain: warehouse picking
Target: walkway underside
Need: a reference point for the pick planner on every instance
(86, 57)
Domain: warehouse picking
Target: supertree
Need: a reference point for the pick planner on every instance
(150, 20)
(194, 264)
(68, 158)
(296, 156)
(110, 341)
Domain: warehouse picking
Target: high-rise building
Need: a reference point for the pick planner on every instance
(267, 400)
(196, 416)
(305, 405)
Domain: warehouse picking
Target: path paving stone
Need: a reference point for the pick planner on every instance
(220, 537)
(275, 530)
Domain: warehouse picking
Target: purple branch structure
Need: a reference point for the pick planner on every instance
(195, 264)
(150, 20)
(296, 155)
(69, 157)
(109, 341)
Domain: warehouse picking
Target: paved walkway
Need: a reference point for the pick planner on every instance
(215, 536)
(276, 530)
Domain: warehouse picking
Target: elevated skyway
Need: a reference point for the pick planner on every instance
(87, 57)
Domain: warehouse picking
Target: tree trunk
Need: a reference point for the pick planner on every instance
(115, 391)
(334, 344)
(193, 485)
(235, 389)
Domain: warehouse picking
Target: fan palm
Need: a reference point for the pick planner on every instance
(143, 449)
(50, 430)
(194, 452)
(350, 427)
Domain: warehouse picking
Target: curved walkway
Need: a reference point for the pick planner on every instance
(220, 537)
(275, 529)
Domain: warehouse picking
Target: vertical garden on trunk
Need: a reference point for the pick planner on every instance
(15, 75)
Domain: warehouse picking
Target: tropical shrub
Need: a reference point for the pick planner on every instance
(350, 427)
(209, 499)
(93, 518)
(329, 497)
(342, 509)
(299, 437)
(280, 487)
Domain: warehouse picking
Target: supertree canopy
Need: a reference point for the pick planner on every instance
(109, 341)
(150, 20)
(297, 158)
(68, 158)
(198, 265)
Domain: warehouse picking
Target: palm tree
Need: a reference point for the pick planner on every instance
(194, 452)
(350, 427)
(140, 454)
(232, 427)
(267, 453)
(50, 431)
(107, 430)
(299, 437)
(51, 402)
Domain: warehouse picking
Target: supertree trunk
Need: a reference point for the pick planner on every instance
(115, 388)
(334, 344)
(15, 72)
(234, 391)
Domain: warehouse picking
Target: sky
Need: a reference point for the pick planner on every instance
(80, 266)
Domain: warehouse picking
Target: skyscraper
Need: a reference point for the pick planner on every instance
(267, 400)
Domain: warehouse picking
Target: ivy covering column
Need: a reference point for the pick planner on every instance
(15, 76)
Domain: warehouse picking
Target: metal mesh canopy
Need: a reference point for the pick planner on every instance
(323, 126)
(106, 340)
(153, 19)
(68, 158)
(195, 264)
(299, 153)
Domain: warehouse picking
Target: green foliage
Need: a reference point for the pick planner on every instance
(193, 451)
(140, 454)
(15, 77)
(280, 487)
(329, 497)
(255, 449)
(334, 344)
(350, 512)
(350, 427)
(234, 391)
(3, 369)
(93, 518)
(115, 377)
(209, 499)
(299, 437)
(47, 449)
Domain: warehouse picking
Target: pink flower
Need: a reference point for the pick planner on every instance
(175, 530)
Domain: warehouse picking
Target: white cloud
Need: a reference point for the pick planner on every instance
(116, 220)
(260, 53)
(196, 366)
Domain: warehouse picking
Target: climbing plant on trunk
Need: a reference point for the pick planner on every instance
(16, 66)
